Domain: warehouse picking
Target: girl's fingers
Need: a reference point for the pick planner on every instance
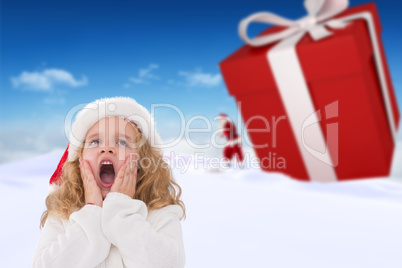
(126, 178)
(123, 169)
(83, 176)
(88, 170)
(134, 173)
(92, 191)
(87, 175)
(133, 170)
(82, 173)
(127, 173)
(120, 177)
(90, 180)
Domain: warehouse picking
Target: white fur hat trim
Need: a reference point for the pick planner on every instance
(108, 107)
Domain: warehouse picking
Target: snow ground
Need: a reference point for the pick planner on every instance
(240, 218)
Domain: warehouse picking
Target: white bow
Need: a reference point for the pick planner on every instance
(319, 12)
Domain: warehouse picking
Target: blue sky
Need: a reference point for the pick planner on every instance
(57, 54)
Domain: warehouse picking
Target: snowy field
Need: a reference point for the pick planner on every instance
(241, 218)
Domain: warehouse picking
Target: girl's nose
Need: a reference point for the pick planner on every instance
(107, 149)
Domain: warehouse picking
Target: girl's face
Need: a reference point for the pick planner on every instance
(107, 145)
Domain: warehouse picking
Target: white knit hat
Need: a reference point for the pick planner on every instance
(124, 107)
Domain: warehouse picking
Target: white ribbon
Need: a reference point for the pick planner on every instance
(319, 11)
(289, 76)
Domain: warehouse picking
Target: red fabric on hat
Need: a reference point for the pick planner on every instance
(56, 175)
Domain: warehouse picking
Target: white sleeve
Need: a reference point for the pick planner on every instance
(124, 223)
(81, 244)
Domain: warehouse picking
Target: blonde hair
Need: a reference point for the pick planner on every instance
(155, 185)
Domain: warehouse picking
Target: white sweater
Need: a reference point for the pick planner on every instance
(121, 234)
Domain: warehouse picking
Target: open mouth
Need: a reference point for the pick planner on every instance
(106, 173)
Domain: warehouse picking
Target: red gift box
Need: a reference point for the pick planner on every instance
(344, 86)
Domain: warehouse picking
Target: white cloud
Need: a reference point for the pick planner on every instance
(46, 80)
(198, 78)
(138, 80)
(145, 75)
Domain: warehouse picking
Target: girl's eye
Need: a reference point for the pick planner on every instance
(94, 142)
(122, 142)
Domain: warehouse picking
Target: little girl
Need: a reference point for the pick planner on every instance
(113, 200)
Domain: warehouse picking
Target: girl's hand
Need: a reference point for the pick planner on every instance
(92, 191)
(127, 177)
